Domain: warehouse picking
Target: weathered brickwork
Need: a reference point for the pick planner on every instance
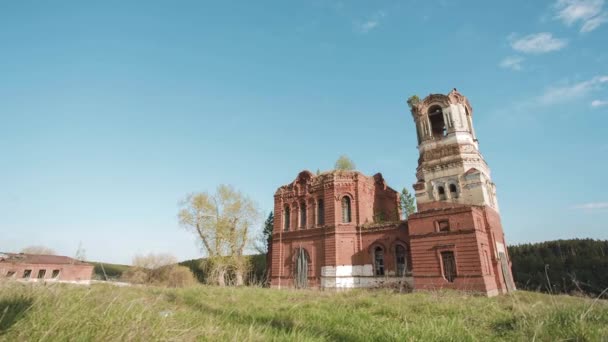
(44, 268)
(342, 229)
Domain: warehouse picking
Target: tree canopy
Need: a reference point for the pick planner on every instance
(344, 163)
(222, 221)
(407, 203)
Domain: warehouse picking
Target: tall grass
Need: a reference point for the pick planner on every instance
(62, 312)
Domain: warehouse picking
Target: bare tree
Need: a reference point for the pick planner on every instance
(158, 269)
(42, 250)
(222, 221)
(80, 254)
(152, 261)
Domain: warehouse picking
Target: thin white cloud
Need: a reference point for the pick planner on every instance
(511, 62)
(368, 25)
(594, 22)
(592, 206)
(564, 93)
(599, 103)
(371, 23)
(537, 43)
(588, 12)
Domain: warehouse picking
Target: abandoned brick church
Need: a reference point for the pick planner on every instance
(342, 229)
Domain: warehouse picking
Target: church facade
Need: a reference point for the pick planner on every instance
(342, 229)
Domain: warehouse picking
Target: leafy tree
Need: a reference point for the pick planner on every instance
(407, 203)
(264, 239)
(268, 228)
(344, 163)
(41, 250)
(222, 222)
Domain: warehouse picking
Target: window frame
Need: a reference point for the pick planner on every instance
(442, 226)
(398, 272)
(451, 278)
(302, 215)
(379, 270)
(347, 209)
(286, 218)
(55, 274)
(41, 274)
(441, 192)
(320, 212)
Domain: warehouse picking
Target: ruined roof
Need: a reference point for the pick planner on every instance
(22, 258)
(453, 96)
(307, 177)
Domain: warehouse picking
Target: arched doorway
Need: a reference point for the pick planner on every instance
(301, 269)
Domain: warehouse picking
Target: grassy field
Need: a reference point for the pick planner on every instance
(104, 313)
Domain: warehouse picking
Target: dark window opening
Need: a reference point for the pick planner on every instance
(346, 210)
(10, 274)
(55, 274)
(303, 215)
(453, 188)
(449, 266)
(286, 218)
(443, 226)
(379, 261)
(320, 213)
(437, 122)
(27, 274)
(41, 274)
(401, 260)
(441, 192)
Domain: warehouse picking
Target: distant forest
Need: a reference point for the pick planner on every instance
(562, 266)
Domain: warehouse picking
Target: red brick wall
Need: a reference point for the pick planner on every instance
(473, 231)
(472, 236)
(76, 272)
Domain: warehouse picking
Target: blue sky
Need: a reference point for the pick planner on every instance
(111, 112)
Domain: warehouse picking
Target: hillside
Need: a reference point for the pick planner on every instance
(101, 312)
(112, 271)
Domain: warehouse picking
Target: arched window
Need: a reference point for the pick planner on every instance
(302, 215)
(438, 127)
(449, 265)
(453, 191)
(401, 260)
(379, 261)
(320, 213)
(346, 210)
(441, 192)
(286, 218)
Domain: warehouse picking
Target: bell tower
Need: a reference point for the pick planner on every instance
(451, 171)
(456, 236)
